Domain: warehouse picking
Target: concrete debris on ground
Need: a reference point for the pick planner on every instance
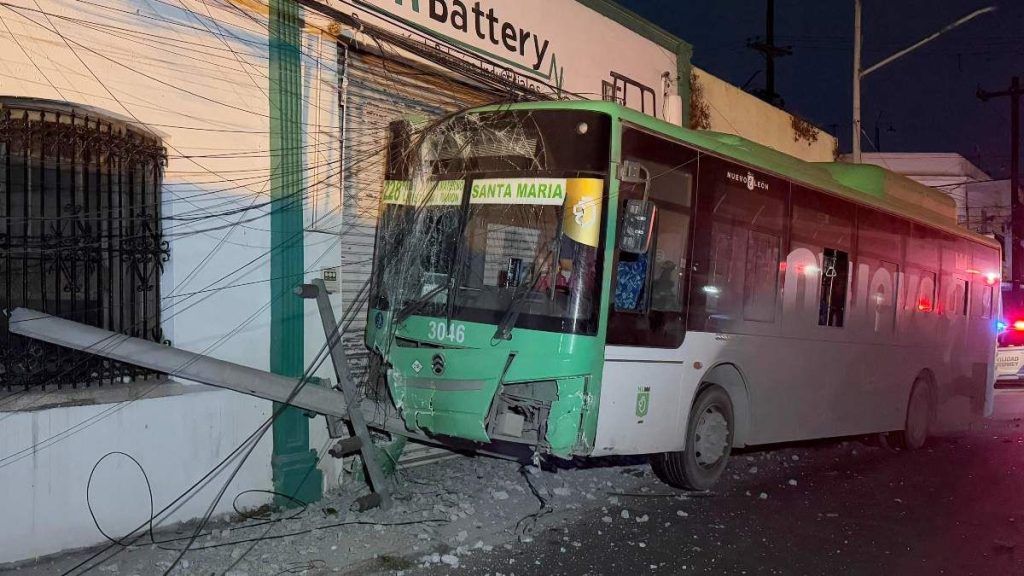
(453, 515)
(443, 513)
(484, 516)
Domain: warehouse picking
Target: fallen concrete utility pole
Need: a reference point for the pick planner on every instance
(211, 371)
(175, 362)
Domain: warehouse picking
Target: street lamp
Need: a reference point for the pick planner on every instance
(859, 74)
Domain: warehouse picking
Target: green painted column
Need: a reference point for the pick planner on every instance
(294, 464)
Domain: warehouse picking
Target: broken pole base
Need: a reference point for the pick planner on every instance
(387, 454)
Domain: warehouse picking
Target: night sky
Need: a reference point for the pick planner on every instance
(926, 99)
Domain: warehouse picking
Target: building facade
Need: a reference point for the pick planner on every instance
(173, 170)
(982, 203)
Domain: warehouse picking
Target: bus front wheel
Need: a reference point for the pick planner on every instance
(709, 434)
(919, 419)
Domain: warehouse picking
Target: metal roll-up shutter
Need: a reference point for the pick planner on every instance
(375, 92)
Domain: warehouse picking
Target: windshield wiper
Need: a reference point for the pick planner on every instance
(417, 304)
(508, 321)
(504, 331)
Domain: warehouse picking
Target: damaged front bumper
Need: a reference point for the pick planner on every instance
(534, 390)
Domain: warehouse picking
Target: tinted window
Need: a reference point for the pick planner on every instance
(820, 220)
(986, 302)
(762, 277)
(647, 304)
(835, 277)
(823, 226)
(926, 292)
(879, 252)
(741, 224)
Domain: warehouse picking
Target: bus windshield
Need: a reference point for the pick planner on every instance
(496, 218)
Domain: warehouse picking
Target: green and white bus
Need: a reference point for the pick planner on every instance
(586, 280)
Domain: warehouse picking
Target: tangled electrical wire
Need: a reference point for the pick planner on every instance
(246, 447)
(257, 521)
(243, 450)
(527, 525)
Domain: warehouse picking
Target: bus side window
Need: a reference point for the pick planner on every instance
(986, 302)
(879, 254)
(835, 277)
(926, 292)
(647, 289)
(960, 297)
(762, 277)
(632, 276)
(824, 226)
(673, 231)
(884, 294)
(737, 250)
(652, 281)
(986, 286)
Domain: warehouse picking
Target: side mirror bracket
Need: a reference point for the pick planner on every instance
(636, 227)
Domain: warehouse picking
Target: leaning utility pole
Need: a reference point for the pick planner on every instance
(1016, 216)
(771, 52)
(858, 74)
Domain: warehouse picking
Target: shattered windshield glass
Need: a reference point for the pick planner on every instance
(485, 211)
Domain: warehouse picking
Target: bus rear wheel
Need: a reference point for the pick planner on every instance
(919, 419)
(709, 434)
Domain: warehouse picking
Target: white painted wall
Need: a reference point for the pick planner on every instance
(176, 439)
(575, 50)
(323, 210)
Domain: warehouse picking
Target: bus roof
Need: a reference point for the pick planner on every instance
(866, 184)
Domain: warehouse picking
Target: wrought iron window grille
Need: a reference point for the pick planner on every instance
(80, 237)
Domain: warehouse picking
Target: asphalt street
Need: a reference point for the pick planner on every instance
(831, 507)
(955, 507)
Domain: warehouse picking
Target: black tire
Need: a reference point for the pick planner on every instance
(690, 469)
(918, 423)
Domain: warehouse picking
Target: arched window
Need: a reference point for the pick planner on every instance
(80, 236)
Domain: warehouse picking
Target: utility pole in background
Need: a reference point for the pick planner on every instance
(858, 74)
(1016, 217)
(878, 133)
(858, 41)
(771, 52)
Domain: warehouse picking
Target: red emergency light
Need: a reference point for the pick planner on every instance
(1015, 326)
